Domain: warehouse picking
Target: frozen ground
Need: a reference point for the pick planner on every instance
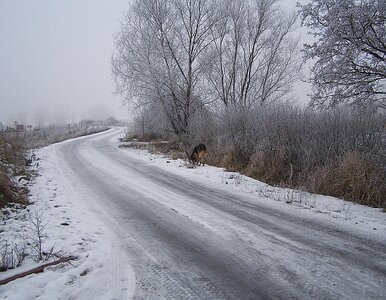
(190, 233)
(355, 217)
(73, 227)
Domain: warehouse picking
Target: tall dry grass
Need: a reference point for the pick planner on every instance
(356, 177)
(340, 152)
(12, 164)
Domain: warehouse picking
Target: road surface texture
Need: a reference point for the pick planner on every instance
(188, 240)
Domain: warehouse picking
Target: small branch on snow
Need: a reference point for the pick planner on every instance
(37, 269)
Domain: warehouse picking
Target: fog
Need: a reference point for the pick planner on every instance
(55, 60)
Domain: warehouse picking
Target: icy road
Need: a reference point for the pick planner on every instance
(190, 240)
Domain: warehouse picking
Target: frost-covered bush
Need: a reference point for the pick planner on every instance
(339, 152)
(12, 255)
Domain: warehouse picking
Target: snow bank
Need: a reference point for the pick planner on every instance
(351, 216)
(102, 270)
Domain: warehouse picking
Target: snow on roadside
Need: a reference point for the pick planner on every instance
(351, 216)
(74, 230)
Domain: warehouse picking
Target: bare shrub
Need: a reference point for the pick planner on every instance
(36, 235)
(31, 244)
(337, 152)
(283, 144)
(12, 255)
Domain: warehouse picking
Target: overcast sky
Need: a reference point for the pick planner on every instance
(55, 59)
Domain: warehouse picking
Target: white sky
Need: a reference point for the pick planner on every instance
(55, 59)
(56, 54)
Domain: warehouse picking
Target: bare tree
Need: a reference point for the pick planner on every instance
(158, 51)
(254, 57)
(350, 51)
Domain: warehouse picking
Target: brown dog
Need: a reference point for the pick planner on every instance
(198, 155)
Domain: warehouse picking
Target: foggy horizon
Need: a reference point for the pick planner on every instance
(55, 61)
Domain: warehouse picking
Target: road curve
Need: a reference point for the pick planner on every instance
(192, 241)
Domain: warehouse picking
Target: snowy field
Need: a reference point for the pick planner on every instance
(75, 224)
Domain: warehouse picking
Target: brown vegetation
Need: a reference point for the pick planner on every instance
(14, 162)
(355, 177)
(337, 152)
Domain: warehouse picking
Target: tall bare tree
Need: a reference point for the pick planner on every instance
(350, 51)
(254, 57)
(186, 54)
(157, 58)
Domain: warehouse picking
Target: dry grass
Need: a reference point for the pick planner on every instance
(7, 189)
(12, 163)
(320, 180)
(353, 177)
(234, 158)
(339, 152)
(271, 166)
(356, 178)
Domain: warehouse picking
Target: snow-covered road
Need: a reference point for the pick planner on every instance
(188, 240)
(184, 236)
